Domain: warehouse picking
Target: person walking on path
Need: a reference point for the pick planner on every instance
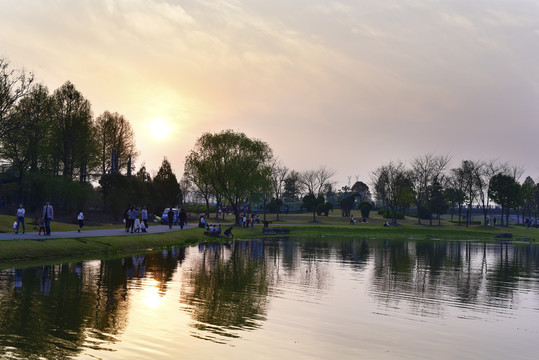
(145, 218)
(182, 218)
(127, 217)
(170, 218)
(20, 219)
(48, 215)
(133, 214)
(80, 219)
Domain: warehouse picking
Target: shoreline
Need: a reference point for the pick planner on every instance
(65, 246)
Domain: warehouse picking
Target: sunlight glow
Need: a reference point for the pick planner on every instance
(159, 128)
(151, 297)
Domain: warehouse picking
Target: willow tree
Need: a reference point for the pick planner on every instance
(231, 163)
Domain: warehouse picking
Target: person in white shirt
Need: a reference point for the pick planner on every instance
(20, 219)
(80, 219)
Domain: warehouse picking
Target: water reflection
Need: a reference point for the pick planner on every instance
(227, 289)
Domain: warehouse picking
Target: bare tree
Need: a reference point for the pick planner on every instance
(14, 85)
(115, 137)
(487, 170)
(278, 175)
(315, 181)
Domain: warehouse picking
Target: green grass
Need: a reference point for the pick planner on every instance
(6, 225)
(300, 225)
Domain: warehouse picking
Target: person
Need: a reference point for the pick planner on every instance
(145, 218)
(170, 215)
(42, 226)
(219, 229)
(133, 214)
(126, 217)
(228, 232)
(182, 217)
(142, 226)
(20, 219)
(352, 220)
(137, 225)
(80, 219)
(48, 215)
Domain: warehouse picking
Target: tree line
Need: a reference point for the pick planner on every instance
(428, 184)
(53, 148)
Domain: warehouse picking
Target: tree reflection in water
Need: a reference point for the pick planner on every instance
(227, 288)
(60, 310)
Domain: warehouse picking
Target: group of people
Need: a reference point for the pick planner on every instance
(44, 222)
(135, 220)
(182, 218)
(247, 220)
(218, 229)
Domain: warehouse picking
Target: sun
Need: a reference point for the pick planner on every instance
(159, 128)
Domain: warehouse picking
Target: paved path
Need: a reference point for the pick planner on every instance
(33, 235)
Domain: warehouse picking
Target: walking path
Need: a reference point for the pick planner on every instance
(34, 235)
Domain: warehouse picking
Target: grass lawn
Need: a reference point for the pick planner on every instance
(300, 225)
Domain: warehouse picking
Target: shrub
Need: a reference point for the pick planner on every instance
(388, 214)
(365, 209)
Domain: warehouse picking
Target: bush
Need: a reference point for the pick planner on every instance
(365, 209)
(388, 214)
(472, 222)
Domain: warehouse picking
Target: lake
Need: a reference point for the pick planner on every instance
(280, 298)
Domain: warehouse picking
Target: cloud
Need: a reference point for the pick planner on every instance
(391, 77)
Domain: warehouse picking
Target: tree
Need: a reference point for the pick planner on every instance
(115, 137)
(347, 203)
(361, 189)
(25, 146)
(292, 186)
(438, 203)
(505, 191)
(466, 178)
(14, 85)
(528, 189)
(72, 132)
(426, 170)
(486, 171)
(278, 176)
(455, 197)
(263, 189)
(231, 163)
(167, 185)
(365, 209)
(315, 181)
(393, 185)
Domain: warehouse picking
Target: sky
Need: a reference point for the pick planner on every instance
(349, 85)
